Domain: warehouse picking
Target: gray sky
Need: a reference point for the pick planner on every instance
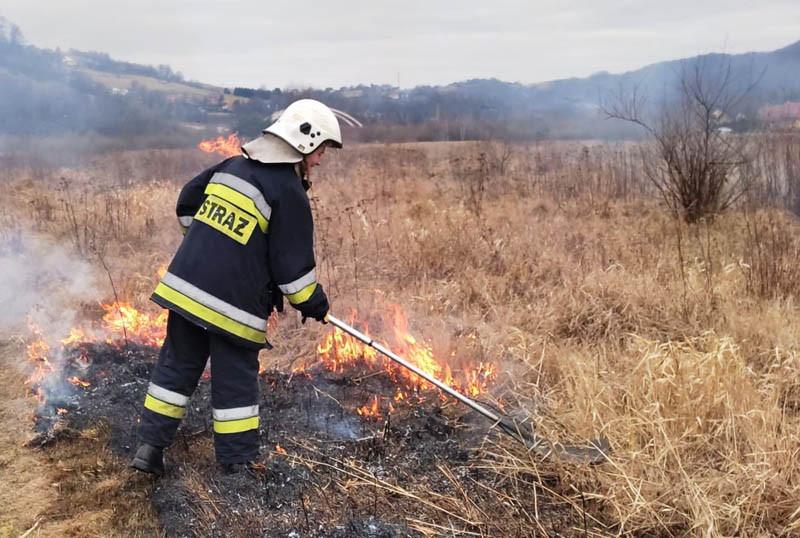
(343, 42)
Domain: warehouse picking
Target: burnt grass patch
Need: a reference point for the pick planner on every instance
(324, 470)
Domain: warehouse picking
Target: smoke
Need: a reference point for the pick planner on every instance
(42, 287)
(44, 282)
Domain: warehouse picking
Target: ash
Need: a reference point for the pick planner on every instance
(324, 471)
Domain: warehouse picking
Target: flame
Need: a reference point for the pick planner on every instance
(76, 334)
(371, 411)
(38, 354)
(78, 382)
(339, 352)
(229, 146)
(61, 411)
(123, 320)
(279, 449)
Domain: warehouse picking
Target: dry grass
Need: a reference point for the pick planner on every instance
(679, 343)
(77, 488)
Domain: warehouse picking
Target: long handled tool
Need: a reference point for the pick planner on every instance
(592, 452)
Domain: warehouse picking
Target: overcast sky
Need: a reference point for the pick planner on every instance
(343, 42)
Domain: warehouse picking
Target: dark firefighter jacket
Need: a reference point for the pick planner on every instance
(248, 227)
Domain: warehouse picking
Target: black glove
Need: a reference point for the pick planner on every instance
(316, 306)
(276, 297)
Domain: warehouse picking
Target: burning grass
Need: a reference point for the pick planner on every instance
(324, 470)
(546, 277)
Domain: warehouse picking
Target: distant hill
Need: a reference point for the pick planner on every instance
(565, 108)
(50, 92)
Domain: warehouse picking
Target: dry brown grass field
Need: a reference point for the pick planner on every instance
(606, 315)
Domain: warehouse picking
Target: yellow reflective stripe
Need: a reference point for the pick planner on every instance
(237, 198)
(163, 408)
(215, 318)
(302, 295)
(214, 303)
(236, 426)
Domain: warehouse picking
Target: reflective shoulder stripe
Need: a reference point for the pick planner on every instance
(215, 303)
(235, 413)
(166, 395)
(302, 295)
(248, 189)
(185, 221)
(245, 188)
(163, 408)
(236, 426)
(296, 285)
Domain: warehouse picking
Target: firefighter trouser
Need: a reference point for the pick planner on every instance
(234, 390)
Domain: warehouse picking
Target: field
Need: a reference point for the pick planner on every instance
(603, 314)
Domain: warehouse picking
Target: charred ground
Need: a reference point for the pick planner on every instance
(324, 470)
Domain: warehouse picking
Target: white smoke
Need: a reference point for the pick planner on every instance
(43, 279)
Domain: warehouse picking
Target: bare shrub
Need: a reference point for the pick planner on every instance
(778, 166)
(473, 174)
(699, 167)
(771, 254)
(499, 155)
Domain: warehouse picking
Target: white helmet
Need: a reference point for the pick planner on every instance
(304, 126)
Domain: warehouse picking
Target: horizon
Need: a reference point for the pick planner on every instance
(161, 39)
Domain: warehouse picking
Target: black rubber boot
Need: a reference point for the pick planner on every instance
(239, 468)
(149, 459)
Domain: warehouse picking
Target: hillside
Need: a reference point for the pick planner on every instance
(49, 91)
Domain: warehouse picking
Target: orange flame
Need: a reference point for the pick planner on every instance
(339, 351)
(279, 449)
(76, 334)
(122, 319)
(38, 355)
(371, 411)
(78, 382)
(229, 146)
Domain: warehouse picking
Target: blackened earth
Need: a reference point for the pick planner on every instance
(336, 476)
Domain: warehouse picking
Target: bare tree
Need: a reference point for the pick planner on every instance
(699, 166)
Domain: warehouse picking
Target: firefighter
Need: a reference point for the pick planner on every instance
(248, 244)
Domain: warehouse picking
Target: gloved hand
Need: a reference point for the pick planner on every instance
(322, 320)
(276, 297)
(316, 307)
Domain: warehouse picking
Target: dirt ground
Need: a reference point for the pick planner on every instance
(27, 490)
(72, 487)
